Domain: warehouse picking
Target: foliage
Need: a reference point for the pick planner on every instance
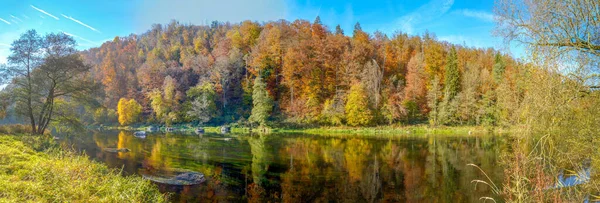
(262, 103)
(358, 109)
(333, 111)
(15, 129)
(158, 105)
(303, 65)
(43, 70)
(105, 116)
(449, 105)
(433, 99)
(128, 111)
(499, 68)
(203, 106)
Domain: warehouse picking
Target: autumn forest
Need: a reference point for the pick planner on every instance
(312, 74)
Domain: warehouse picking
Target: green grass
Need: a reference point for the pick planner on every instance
(394, 130)
(378, 131)
(54, 175)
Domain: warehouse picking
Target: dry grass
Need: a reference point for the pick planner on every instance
(27, 175)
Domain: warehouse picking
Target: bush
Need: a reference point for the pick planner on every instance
(15, 129)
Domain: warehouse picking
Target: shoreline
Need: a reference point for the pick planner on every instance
(388, 130)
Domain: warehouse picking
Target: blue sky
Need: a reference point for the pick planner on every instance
(90, 22)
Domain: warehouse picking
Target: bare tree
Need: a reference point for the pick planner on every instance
(372, 79)
(566, 25)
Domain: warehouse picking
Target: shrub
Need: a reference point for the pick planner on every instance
(15, 129)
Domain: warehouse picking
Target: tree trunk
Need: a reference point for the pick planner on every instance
(29, 105)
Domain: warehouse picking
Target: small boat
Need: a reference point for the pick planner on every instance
(169, 129)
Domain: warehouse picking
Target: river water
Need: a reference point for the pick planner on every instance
(307, 168)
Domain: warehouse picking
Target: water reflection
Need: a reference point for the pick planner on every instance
(307, 168)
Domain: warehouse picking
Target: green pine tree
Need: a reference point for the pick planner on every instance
(449, 106)
(452, 79)
(499, 68)
(262, 102)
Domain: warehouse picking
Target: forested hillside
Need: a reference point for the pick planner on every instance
(313, 74)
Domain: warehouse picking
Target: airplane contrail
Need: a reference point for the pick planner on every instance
(4, 21)
(16, 18)
(79, 22)
(81, 38)
(44, 12)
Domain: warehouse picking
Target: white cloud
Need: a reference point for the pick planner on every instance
(81, 23)
(424, 14)
(481, 15)
(44, 12)
(4, 21)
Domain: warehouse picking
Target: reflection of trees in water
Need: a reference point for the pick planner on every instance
(156, 160)
(123, 142)
(103, 141)
(261, 159)
(323, 169)
(415, 185)
(391, 172)
(172, 153)
(370, 184)
(356, 154)
(331, 169)
(370, 170)
(333, 153)
(305, 175)
(447, 172)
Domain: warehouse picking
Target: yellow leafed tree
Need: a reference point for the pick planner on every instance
(129, 111)
(358, 111)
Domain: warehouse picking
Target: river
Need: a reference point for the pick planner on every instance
(307, 168)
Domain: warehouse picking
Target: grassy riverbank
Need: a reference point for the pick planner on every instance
(32, 170)
(384, 131)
